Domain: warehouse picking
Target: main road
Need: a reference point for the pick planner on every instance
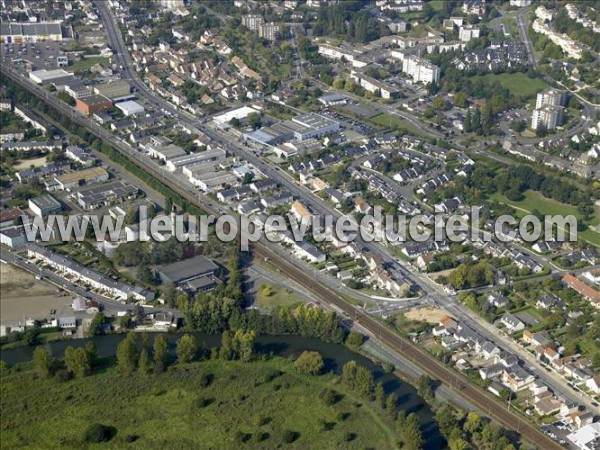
(430, 289)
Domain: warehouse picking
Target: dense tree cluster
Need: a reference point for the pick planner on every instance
(469, 275)
(237, 345)
(349, 21)
(360, 379)
(465, 431)
(310, 363)
(138, 253)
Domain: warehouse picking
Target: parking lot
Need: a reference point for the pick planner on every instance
(558, 431)
(41, 55)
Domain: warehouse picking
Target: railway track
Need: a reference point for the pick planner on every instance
(455, 381)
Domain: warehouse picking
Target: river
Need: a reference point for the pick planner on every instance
(334, 356)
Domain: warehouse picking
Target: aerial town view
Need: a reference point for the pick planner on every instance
(304, 224)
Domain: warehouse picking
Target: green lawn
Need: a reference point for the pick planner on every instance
(85, 64)
(518, 83)
(535, 200)
(547, 206)
(392, 121)
(255, 401)
(270, 296)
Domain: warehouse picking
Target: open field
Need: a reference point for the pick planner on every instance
(27, 163)
(517, 83)
(392, 121)
(24, 296)
(270, 296)
(427, 314)
(245, 405)
(547, 206)
(86, 64)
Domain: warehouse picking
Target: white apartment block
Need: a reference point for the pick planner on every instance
(520, 3)
(421, 70)
(253, 21)
(548, 115)
(337, 53)
(468, 32)
(551, 97)
(269, 31)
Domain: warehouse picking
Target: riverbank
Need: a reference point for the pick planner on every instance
(208, 404)
(334, 356)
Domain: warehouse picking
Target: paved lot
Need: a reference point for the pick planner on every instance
(22, 296)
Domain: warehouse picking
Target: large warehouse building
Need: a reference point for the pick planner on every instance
(194, 274)
(44, 77)
(301, 128)
(18, 32)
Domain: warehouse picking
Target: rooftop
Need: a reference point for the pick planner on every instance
(187, 269)
(87, 174)
(45, 201)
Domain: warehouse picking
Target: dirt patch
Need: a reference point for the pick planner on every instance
(22, 296)
(27, 163)
(427, 314)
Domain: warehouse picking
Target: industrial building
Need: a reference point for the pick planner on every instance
(301, 128)
(95, 197)
(210, 181)
(78, 91)
(12, 237)
(165, 152)
(55, 76)
(93, 104)
(44, 204)
(239, 114)
(130, 108)
(21, 32)
(195, 159)
(197, 273)
(78, 178)
(113, 89)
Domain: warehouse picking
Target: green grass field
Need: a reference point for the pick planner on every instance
(517, 83)
(255, 401)
(547, 206)
(271, 296)
(392, 121)
(85, 64)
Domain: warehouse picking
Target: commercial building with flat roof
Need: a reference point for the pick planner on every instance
(19, 32)
(195, 159)
(212, 181)
(93, 104)
(187, 269)
(314, 125)
(239, 113)
(13, 237)
(165, 152)
(130, 108)
(113, 89)
(44, 204)
(45, 77)
(75, 179)
(95, 197)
